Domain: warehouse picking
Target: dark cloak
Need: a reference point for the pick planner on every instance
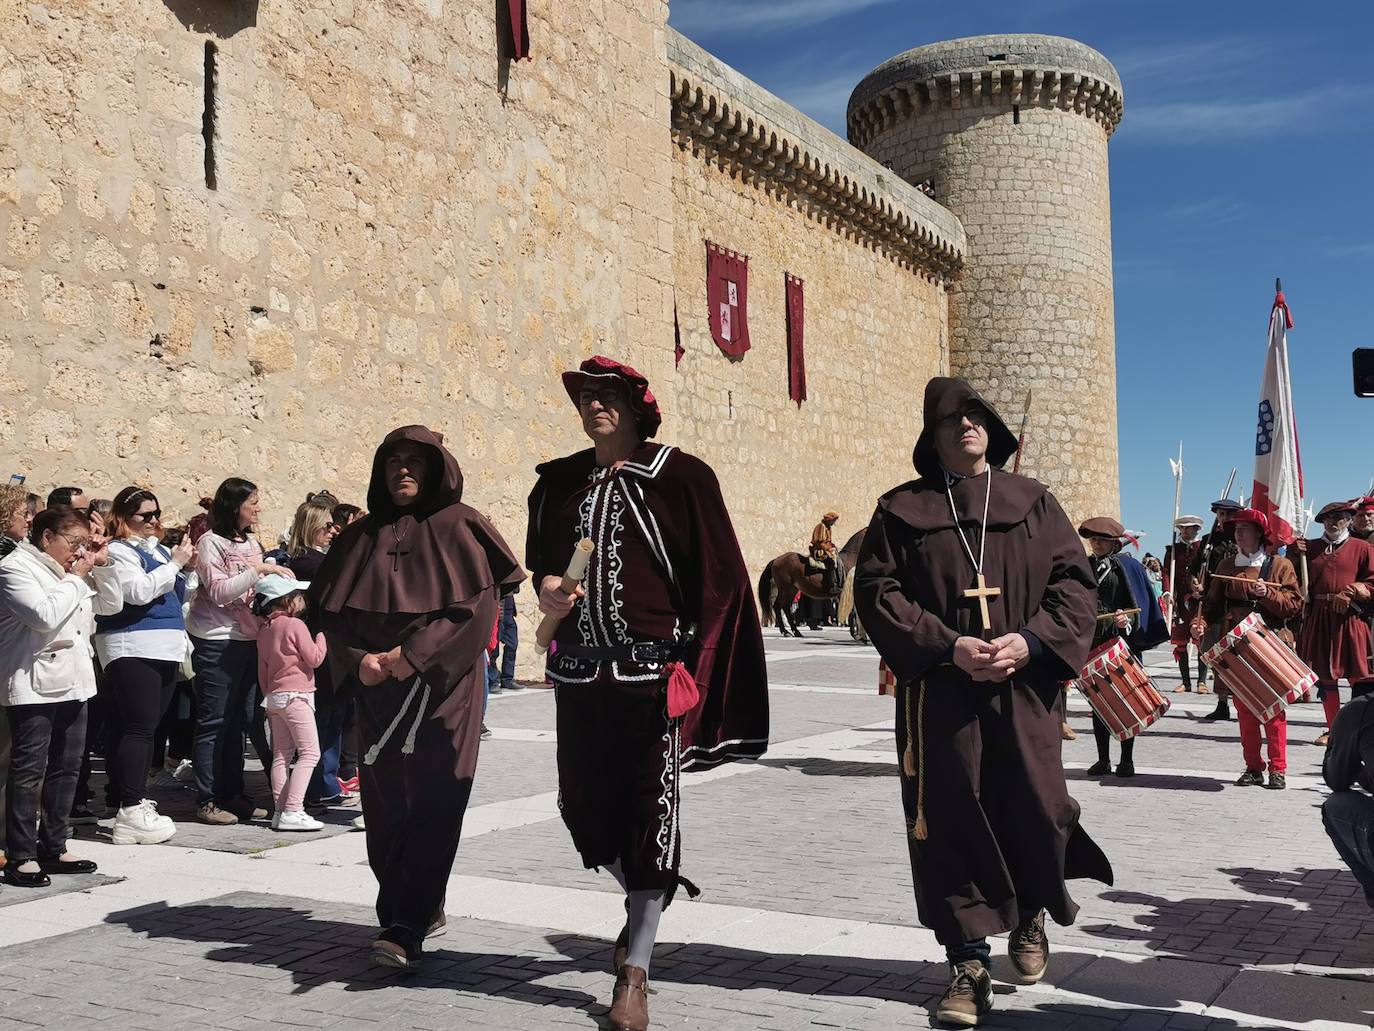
(730, 719)
(429, 578)
(1003, 831)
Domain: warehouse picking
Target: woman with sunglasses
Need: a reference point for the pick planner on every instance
(51, 586)
(140, 650)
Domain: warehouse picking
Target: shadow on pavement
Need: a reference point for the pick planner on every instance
(1170, 781)
(833, 767)
(319, 952)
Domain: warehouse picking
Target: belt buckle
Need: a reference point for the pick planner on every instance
(645, 653)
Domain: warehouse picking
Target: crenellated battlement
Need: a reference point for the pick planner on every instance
(987, 71)
(719, 114)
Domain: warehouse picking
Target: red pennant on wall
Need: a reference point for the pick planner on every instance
(796, 326)
(727, 296)
(678, 350)
(520, 31)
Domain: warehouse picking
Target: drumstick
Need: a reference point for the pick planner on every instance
(1124, 612)
(1246, 579)
(577, 569)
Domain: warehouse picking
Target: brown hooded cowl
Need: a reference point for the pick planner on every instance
(428, 577)
(1003, 830)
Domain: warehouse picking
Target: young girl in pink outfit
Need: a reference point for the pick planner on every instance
(287, 660)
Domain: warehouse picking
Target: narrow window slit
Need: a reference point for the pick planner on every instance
(1015, 114)
(207, 123)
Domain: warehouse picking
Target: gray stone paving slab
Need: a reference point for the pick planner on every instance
(12, 896)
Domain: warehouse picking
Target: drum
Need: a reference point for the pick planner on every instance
(1119, 690)
(1264, 674)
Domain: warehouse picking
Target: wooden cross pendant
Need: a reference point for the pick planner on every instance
(396, 552)
(983, 592)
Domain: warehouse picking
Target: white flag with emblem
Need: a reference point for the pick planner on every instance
(1278, 469)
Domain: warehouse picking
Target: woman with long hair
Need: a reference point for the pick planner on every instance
(51, 587)
(140, 650)
(228, 564)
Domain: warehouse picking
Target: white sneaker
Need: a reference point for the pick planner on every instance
(184, 772)
(295, 820)
(359, 824)
(141, 825)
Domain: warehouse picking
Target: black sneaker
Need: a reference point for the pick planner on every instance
(512, 685)
(1221, 712)
(968, 996)
(1100, 768)
(1126, 768)
(1277, 781)
(84, 816)
(486, 732)
(1250, 779)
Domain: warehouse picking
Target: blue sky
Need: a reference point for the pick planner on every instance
(1245, 153)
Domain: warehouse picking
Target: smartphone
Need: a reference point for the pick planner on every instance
(16, 479)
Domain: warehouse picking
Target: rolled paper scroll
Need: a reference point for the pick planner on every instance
(577, 570)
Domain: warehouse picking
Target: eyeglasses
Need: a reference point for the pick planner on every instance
(79, 544)
(607, 396)
(148, 517)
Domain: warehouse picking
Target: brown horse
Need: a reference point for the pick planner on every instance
(787, 574)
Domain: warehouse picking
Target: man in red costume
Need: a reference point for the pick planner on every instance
(1335, 639)
(658, 662)
(1363, 524)
(1246, 584)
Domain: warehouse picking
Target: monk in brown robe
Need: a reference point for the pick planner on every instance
(1335, 638)
(407, 597)
(975, 588)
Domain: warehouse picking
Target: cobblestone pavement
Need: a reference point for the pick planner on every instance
(1230, 908)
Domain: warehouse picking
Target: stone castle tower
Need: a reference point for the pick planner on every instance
(1011, 131)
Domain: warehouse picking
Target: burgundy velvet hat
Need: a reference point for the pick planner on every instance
(1337, 507)
(599, 368)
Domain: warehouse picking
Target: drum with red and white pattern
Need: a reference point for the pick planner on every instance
(1264, 674)
(1119, 690)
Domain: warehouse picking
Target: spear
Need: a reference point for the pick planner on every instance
(1021, 437)
(1177, 468)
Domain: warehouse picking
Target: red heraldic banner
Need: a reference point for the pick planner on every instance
(727, 294)
(520, 30)
(796, 326)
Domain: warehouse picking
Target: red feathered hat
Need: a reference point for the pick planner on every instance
(600, 368)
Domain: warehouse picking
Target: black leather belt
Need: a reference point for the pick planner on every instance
(644, 653)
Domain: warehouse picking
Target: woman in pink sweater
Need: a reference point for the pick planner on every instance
(287, 660)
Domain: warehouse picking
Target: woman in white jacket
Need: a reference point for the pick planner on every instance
(51, 586)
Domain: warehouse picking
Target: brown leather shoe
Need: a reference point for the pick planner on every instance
(968, 996)
(388, 954)
(630, 1001)
(1029, 949)
(215, 816)
(621, 951)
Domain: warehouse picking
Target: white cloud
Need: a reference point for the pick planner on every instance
(1187, 121)
(705, 18)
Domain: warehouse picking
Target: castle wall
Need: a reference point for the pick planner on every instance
(396, 236)
(875, 328)
(405, 228)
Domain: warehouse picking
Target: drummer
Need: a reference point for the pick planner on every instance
(1335, 639)
(1125, 608)
(1267, 584)
(1217, 546)
(1178, 582)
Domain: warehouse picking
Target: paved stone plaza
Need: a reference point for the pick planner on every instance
(1231, 910)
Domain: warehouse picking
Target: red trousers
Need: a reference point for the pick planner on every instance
(1275, 735)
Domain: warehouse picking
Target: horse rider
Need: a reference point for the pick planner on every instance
(823, 550)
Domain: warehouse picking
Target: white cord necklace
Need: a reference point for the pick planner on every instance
(983, 535)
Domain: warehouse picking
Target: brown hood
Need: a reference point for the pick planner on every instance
(946, 395)
(443, 484)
